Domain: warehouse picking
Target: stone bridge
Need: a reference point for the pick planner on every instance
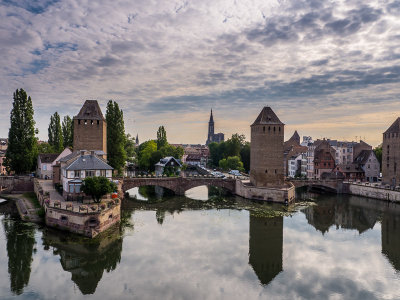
(16, 184)
(333, 186)
(179, 185)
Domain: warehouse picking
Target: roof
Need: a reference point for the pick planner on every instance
(88, 162)
(90, 111)
(164, 161)
(266, 117)
(47, 158)
(77, 153)
(395, 127)
(350, 168)
(362, 158)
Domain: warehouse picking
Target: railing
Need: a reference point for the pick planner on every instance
(82, 209)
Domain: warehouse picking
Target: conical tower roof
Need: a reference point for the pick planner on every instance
(267, 117)
(90, 111)
(395, 128)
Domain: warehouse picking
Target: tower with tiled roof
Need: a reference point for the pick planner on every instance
(90, 128)
(391, 154)
(266, 153)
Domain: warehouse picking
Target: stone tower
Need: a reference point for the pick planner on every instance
(210, 129)
(391, 154)
(90, 128)
(266, 154)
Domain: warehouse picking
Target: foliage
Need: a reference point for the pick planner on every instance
(56, 139)
(145, 152)
(245, 156)
(68, 132)
(130, 147)
(22, 153)
(116, 152)
(378, 154)
(97, 187)
(236, 146)
(232, 162)
(45, 148)
(161, 137)
(171, 171)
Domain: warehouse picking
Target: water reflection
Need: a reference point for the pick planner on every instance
(265, 247)
(85, 260)
(20, 247)
(391, 239)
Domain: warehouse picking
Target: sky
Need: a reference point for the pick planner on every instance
(327, 68)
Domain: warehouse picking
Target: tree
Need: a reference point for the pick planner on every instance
(161, 137)
(21, 154)
(97, 187)
(234, 144)
(116, 153)
(130, 147)
(55, 133)
(245, 156)
(232, 162)
(68, 132)
(378, 154)
(145, 152)
(45, 148)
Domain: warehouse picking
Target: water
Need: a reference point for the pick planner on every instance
(337, 247)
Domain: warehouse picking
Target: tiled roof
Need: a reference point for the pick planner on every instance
(267, 116)
(90, 111)
(88, 162)
(362, 158)
(164, 161)
(48, 158)
(395, 127)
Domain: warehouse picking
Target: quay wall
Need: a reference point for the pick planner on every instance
(373, 192)
(283, 195)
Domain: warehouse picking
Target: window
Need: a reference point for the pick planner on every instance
(89, 173)
(103, 173)
(79, 122)
(44, 167)
(274, 128)
(98, 122)
(264, 129)
(91, 122)
(77, 174)
(369, 166)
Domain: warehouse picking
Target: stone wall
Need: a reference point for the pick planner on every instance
(374, 192)
(283, 195)
(90, 136)
(17, 184)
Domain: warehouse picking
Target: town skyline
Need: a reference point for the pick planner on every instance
(329, 69)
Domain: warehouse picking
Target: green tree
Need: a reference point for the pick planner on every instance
(378, 154)
(45, 148)
(169, 150)
(161, 137)
(245, 156)
(21, 154)
(130, 147)
(234, 144)
(97, 187)
(68, 131)
(232, 162)
(56, 139)
(145, 152)
(116, 153)
(215, 153)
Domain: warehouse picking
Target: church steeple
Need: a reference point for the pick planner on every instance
(211, 117)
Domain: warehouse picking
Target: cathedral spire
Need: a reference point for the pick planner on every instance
(211, 117)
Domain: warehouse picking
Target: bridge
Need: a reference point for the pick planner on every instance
(328, 185)
(179, 185)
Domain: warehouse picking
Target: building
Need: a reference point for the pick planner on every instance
(75, 168)
(213, 137)
(292, 148)
(46, 162)
(195, 154)
(351, 171)
(3, 144)
(3, 169)
(90, 128)
(324, 158)
(266, 153)
(391, 154)
(297, 165)
(370, 165)
(166, 165)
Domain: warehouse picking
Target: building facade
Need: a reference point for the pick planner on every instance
(90, 128)
(370, 165)
(213, 137)
(391, 154)
(266, 153)
(324, 159)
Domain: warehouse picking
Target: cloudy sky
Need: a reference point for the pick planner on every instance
(327, 68)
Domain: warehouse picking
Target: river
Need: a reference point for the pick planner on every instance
(167, 247)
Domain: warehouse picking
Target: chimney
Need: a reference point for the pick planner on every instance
(92, 152)
(82, 152)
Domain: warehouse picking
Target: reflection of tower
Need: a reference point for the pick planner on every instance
(265, 247)
(86, 262)
(391, 239)
(20, 242)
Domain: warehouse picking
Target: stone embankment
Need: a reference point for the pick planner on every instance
(373, 191)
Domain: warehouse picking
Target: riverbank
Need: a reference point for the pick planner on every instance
(27, 206)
